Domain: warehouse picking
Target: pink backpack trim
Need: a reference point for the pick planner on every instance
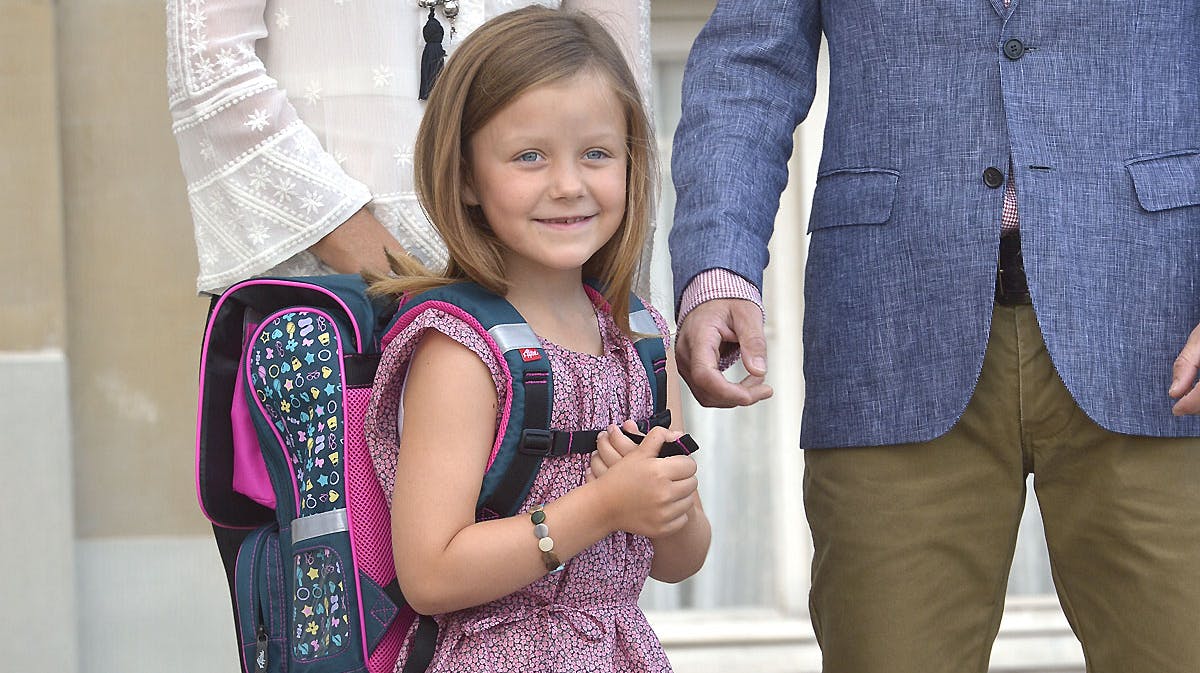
(412, 314)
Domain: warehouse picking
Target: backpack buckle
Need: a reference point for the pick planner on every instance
(536, 442)
(660, 420)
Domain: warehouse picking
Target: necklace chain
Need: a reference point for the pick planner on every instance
(449, 7)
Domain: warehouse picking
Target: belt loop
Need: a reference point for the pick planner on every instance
(1011, 285)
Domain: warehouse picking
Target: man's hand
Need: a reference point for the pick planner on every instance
(712, 329)
(1183, 382)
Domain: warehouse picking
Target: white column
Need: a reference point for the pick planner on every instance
(38, 622)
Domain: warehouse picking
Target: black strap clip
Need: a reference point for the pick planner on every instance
(660, 420)
(537, 442)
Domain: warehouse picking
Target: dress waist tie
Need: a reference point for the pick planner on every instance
(583, 622)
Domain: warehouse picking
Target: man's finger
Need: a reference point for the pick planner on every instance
(1188, 404)
(711, 389)
(1183, 374)
(1187, 366)
(747, 325)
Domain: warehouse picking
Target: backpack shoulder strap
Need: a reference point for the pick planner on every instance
(651, 348)
(525, 420)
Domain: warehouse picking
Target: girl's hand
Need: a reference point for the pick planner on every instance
(643, 494)
(606, 455)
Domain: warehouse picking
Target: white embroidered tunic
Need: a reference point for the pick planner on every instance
(292, 115)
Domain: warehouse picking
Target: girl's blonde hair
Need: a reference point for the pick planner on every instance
(501, 60)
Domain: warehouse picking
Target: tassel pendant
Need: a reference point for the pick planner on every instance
(433, 57)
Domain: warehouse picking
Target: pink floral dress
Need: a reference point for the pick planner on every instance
(584, 618)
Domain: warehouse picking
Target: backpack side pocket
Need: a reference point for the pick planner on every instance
(321, 606)
(261, 602)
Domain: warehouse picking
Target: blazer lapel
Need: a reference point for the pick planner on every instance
(1003, 11)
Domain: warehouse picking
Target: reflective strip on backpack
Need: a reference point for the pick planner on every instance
(641, 322)
(316, 525)
(513, 336)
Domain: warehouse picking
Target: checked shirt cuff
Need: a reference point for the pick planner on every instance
(718, 284)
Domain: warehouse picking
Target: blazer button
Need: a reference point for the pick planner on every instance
(1014, 49)
(992, 177)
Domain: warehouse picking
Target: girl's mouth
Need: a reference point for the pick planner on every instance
(565, 221)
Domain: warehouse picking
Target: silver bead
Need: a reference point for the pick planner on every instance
(450, 7)
(541, 530)
(426, 4)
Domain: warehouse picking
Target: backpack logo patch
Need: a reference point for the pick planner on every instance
(530, 354)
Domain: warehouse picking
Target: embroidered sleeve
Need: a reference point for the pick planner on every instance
(260, 186)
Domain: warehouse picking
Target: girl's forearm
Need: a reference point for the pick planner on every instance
(680, 555)
(492, 559)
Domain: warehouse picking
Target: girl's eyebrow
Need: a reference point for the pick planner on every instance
(534, 138)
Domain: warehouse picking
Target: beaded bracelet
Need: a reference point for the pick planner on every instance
(545, 543)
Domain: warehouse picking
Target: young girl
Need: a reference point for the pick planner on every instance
(534, 160)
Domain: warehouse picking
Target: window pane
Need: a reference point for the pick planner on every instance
(735, 455)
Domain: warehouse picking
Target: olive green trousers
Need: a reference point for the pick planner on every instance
(913, 542)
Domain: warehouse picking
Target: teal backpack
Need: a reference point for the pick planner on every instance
(284, 474)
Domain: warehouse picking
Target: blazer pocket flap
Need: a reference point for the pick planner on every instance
(1167, 181)
(854, 196)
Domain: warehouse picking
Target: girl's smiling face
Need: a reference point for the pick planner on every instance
(549, 173)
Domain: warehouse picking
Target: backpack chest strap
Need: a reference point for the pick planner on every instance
(548, 443)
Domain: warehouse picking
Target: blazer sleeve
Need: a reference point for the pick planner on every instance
(749, 82)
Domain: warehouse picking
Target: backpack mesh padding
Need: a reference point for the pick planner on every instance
(371, 520)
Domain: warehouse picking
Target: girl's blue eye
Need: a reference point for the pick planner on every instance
(595, 154)
(528, 156)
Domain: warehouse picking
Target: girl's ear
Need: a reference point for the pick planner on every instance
(469, 196)
(468, 193)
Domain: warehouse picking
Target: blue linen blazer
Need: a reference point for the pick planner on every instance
(1100, 112)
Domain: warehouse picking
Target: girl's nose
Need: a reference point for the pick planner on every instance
(568, 182)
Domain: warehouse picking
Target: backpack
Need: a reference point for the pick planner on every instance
(284, 474)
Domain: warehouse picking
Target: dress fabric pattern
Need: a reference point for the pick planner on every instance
(584, 618)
